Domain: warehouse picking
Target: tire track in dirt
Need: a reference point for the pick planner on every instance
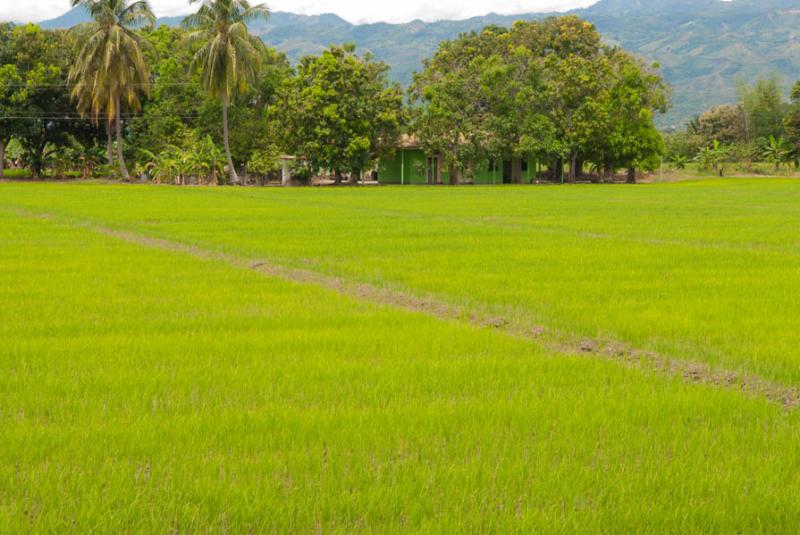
(694, 372)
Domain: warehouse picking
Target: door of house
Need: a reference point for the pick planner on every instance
(507, 172)
(433, 170)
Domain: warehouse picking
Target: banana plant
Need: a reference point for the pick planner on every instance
(777, 152)
(679, 161)
(161, 167)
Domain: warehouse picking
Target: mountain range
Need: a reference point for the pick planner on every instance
(704, 47)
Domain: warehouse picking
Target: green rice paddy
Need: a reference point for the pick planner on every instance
(143, 389)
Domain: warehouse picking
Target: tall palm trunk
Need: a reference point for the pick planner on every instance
(109, 143)
(225, 138)
(122, 167)
(2, 158)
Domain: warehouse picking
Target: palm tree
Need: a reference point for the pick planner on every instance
(110, 70)
(229, 57)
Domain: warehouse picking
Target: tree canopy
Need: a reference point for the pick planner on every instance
(543, 90)
(547, 91)
(339, 112)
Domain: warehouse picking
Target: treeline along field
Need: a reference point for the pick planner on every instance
(149, 380)
(210, 102)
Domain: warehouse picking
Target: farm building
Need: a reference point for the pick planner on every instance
(411, 165)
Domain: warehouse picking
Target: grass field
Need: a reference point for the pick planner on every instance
(152, 379)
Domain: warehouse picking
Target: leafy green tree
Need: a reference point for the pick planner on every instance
(636, 93)
(110, 70)
(265, 161)
(791, 121)
(34, 94)
(229, 57)
(339, 112)
(8, 77)
(547, 90)
(177, 107)
(250, 130)
(764, 108)
(726, 124)
(450, 112)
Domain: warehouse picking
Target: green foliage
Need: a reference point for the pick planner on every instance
(34, 95)
(727, 124)
(265, 161)
(777, 152)
(228, 57)
(110, 71)
(545, 90)
(177, 104)
(713, 157)
(791, 121)
(764, 108)
(679, 161)
(199, 160)
(338, 112)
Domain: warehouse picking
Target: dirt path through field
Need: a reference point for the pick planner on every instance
(695, 372)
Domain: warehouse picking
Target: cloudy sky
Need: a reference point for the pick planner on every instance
(352, 10)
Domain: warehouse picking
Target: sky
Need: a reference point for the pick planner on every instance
(356, 11)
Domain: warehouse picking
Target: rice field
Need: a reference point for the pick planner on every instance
(398, 359)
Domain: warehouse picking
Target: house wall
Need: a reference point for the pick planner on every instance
(485, 175)
(414, 162)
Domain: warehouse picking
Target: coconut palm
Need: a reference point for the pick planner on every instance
(229, 57)
(110, 71)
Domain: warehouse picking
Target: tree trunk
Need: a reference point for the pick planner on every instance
(579, 167)
(516, 170)
(558, 170)
(122, 167)
(631, 175)
(455, 176)
(36, 168)
(110, 143)
(37, 161)
(2, 158)
(608, 172)
(226, 139)
(573, 168)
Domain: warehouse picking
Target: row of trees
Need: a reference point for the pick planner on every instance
(118, 89)
(761, 127)
(547, 91)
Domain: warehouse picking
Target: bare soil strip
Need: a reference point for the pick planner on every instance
(690, 371)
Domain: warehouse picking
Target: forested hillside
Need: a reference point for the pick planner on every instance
(704, 46)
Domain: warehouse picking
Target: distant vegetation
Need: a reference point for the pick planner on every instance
(547, 91)
(703, 46)
(167, 101)
(763, 127)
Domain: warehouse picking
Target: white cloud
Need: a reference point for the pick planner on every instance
(352, 10)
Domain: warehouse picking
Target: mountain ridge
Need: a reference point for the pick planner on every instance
(703, 46)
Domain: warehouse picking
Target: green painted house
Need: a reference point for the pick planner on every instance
(411, 165)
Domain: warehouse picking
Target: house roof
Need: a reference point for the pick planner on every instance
(409, 141)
